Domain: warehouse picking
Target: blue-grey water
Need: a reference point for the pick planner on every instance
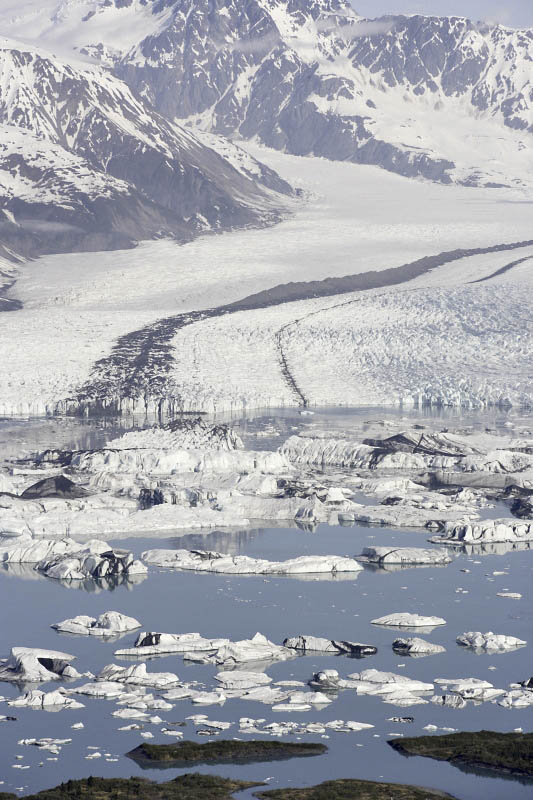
(236, 607)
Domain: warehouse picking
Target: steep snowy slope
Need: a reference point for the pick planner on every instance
(85, 165)
(441, 97)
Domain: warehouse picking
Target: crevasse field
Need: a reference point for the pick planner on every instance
(375, 347)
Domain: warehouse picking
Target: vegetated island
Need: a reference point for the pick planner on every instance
(210, 787)
(505, 752)
(185, 787)
(352, 789)
(224, 751)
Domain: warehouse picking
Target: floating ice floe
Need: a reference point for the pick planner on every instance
(137, 675)
(302, 701)
(108, 690)
(149, 643)
(95, 560)
(391, 688)
(460, 690)
(416, 647)
(404, 619)
(315, 644)
(209, 561)
(46, 701)
(66, 559)
(329, 680)
(110, 623)
(50, 745)
(257, 726)
(449, 700)
(404, 555)
(239, 679)
(174, 460)
(35, 665)
(405, 516)
(184, 434)
(489, 642)
(29, 550)
(209, 698)
(258, 648)
(517, 698)
(202, 719)
(486, 531)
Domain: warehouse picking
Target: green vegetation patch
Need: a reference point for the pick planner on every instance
(186, 787)
(221, 751)
(348, 789)
(508, 752)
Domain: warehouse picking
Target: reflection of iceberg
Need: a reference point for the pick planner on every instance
(490, 548)
(328, 576)
(91, 585)
(24, 571)
(481, 651)
(386, 568)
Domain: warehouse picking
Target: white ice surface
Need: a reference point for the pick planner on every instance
(355, 219)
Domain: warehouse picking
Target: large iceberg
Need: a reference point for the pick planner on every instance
(486, 531)
(35, 665)
(149, 643)
(414, 646)
(209, 561)
(489, 642)
(409, 556)
(45, 701)
(110, 623)
(404, 619)
(315, 644)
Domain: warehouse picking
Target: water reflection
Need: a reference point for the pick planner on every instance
(90, 585)
(482, 772)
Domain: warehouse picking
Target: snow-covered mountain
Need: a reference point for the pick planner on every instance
(86, 165)
(441, 97)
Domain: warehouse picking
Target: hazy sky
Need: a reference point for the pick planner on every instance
(517, 13)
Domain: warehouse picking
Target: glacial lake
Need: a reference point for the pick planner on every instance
(236, 607)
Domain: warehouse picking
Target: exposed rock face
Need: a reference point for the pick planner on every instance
(98, 168)
(311, 77)
(149, 498)
(522, 508)
(60, 486)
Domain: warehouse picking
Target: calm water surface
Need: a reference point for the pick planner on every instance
(237, 607)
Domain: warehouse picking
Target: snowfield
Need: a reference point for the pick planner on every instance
(376, 346)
